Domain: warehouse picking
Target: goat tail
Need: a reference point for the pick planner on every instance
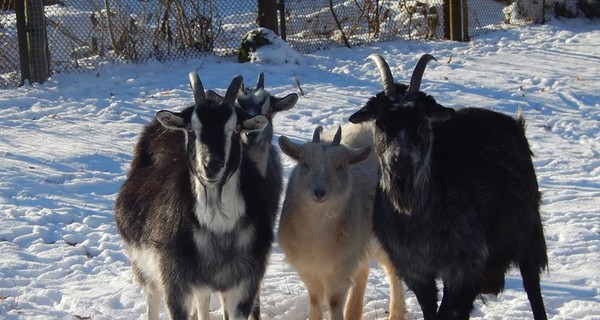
(521, 117)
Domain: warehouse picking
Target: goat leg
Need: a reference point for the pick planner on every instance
(426, 293)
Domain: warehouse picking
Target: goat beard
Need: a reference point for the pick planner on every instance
(211, 194)
(398, 190)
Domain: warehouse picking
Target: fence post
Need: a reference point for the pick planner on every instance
(282, 28)
(37, 41)
(267, 15)
(34, 56)
(22, 40)
(456, 20)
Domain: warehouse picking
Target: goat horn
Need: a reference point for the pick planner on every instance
(415, 79)
(337, 138)
(197, 89)
(233, 90)
(317, 135)
(260, 83)
(386, 75)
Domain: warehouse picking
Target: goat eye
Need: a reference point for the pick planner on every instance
(339, 167)
(189, 128)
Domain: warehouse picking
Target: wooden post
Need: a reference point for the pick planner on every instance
(267, 15)
(283, 30)
(37, 42)
(34, 56)
(22, 40)
(456, 20)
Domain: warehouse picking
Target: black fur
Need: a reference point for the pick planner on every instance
(458, 200)
(155, 209)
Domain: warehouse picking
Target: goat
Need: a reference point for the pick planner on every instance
(325, 225)
(258, 144)
(458, 197)
(192, 210)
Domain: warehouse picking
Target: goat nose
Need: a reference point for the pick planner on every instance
(213, 166)
(319, 193)
(251, 137)
(252, 134)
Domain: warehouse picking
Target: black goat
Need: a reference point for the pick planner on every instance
(458, 197)
(192, 210)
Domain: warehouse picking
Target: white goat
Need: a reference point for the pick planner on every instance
(325, 226)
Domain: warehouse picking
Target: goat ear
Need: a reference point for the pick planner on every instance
(256, 123)
(291, 149)
(364, 114)
(360, 154)
(285, 103)
(440, 113)
(171, 120)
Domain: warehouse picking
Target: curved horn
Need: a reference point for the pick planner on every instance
(386, 75)
(233, 90)
(260, 83)
(337, 138)
(197, 88)
(317, 135)
(415, 79)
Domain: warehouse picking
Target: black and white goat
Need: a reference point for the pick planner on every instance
(192, 210)
(258, 145)
(458, 198)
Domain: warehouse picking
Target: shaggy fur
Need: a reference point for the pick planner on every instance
(188, 238)
(458, 200)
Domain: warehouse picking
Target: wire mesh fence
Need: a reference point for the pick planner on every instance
(314, 24)
(9, 51)
(85, 34)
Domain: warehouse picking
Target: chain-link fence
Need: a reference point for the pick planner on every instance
(9, 52)
(314, 24)
(319, 24)
(84, 34)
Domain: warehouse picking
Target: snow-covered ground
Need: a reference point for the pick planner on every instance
(65, 148)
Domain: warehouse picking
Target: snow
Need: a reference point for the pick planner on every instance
(65, 148)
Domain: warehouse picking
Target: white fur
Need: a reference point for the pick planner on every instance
(148, 263)
(199, 303)
(220, 214)
(330, 243)
(229, 297)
